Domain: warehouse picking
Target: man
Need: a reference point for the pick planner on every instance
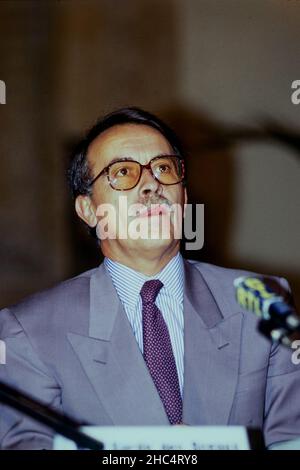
(147, 338)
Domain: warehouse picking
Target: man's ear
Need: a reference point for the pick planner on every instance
(185, 196)
(85, 210)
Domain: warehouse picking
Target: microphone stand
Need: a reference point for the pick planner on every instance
(45, 415)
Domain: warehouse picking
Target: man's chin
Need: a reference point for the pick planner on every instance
(151, 243)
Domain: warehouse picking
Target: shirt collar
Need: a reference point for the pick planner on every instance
(129, 282)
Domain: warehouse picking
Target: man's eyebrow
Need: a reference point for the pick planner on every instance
(117, 159)
(120, 159)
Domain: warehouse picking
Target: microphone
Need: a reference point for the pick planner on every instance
(58, 422)
(279, 320)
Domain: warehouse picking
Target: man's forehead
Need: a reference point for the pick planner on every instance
(125, 140)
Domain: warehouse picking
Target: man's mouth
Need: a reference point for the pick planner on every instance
(154, 209)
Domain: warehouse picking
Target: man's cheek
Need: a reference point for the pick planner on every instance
(177, 214)
(106, 227)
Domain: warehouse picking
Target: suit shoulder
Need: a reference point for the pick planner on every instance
(221, 271)
(229, 274)
(63, 297)
(220, 282)
(224, 277)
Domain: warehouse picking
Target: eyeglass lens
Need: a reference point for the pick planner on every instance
(125, 175)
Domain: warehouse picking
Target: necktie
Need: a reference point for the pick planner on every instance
(158, 353)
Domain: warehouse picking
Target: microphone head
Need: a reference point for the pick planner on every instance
(279, 320)
(254, 295)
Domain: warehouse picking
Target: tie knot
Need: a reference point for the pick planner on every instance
(150, 290)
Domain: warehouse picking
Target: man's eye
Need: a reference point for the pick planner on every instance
(122, 172)
(164, 168)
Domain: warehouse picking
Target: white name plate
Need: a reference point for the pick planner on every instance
(163, 438)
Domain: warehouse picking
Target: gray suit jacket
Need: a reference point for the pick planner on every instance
(73, 348)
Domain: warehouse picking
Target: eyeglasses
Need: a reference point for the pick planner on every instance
(124, 174)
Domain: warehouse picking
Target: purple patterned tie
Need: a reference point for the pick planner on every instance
(158, 353)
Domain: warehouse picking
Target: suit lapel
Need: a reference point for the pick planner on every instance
(115, 367)
(112, 360)
(212, 334)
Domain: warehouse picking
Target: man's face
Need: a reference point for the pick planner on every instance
(140, 143)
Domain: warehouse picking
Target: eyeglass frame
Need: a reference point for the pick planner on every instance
(148, 166)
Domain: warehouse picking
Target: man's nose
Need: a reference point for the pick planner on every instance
(148, 184)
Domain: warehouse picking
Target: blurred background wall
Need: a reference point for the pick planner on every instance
(205, 66)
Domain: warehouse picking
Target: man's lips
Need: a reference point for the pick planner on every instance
(154, 209)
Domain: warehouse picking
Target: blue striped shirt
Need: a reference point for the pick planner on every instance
(128, 284)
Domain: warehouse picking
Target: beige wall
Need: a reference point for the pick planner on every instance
(32, 228)
(238, 59)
